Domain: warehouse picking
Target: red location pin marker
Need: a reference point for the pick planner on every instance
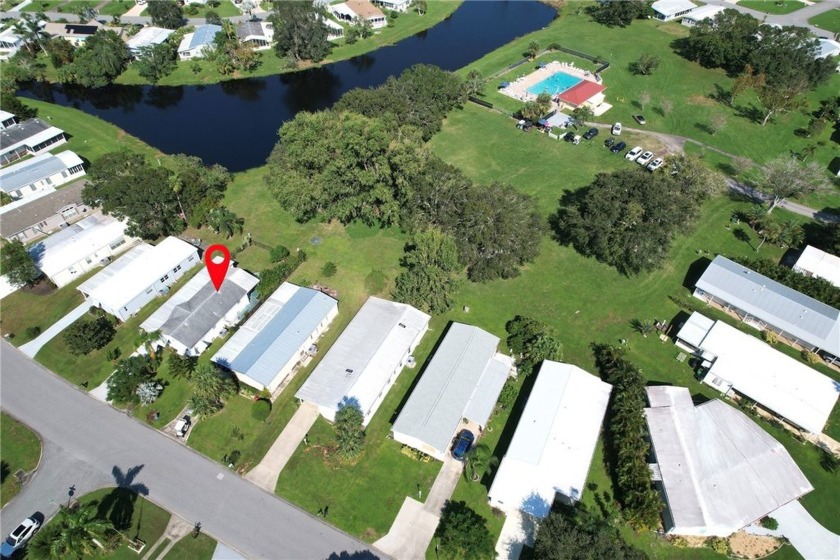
(217, 268)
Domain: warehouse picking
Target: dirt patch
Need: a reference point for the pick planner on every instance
(702, 100)
(745, 545)
(370, 535)
(42, 288)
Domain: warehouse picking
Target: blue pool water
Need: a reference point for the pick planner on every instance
(558, 83)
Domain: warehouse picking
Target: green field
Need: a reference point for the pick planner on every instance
(116, 7)
(20, 449)
(775, 7)
(189, 548)
(39, 306)
(830, 20)
(405, 25)
(44, 6)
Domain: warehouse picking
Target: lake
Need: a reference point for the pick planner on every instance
(235, 123)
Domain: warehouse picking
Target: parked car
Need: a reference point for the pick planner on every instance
(19, 537)
(463, 443)
(182, 426)
(569, 136)
(634, 153)
(616, 129)
(590, 134)
(645, 158)
(618, 147)
(640, 119)
(524, 125)
(655, 164)
(609, 142)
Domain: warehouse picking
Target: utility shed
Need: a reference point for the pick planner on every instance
(197, 314)
(766, 304)
(281, 334)
(819, 264)
(460, 385)
(553, 444)
(799, 394)
(365, 361)
(719, 470)
(133, 280)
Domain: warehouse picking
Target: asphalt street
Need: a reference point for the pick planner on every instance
(86, 440)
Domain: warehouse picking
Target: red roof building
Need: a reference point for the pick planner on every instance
(581, 93)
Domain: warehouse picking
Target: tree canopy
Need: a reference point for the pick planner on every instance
(785, 177)
(463, 533)
(619, 13)
(130, 374)
(429, 280)
(86, 335)
(578, 535)
(17, 264)
(532, 342)
(299, 32)
(103, 57)
(349, 429)
(156, 61)
(211, 386)
(166, 13)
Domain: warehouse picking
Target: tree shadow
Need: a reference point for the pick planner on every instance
(750, 112)
(118, 505)
(727, 168)
(694, 272)
(359, 555)
(703, 127)
(5, 471)
(720, 95)
(742, 235)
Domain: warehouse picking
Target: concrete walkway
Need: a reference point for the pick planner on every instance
(808, 537)
(33, 346)
(265, 474)
(176, 529)
(415, 525)
(519, 531)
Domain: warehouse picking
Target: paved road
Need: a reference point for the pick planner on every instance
(90, 439)
(799, 17)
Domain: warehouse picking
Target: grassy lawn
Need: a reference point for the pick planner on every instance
(171, 401)
(830, 20)
(405, 25)
(687, 87)
(20, 449)
(225, 9)
(94, 368)
(188, 548)
(775, 7)
(44, 6)
(116, 7)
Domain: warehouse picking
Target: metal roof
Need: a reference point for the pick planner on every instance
(197, 308)
(784, 308)
(818, 263)
(459, 382)
(671, 7)
(74, 243)
(720, 470)
(695, 329)
(274, 334)
(203, 35)
(365, 356)
(555, 439)
(148, 36)
(36, 169)
(124, 279)
(778, 382)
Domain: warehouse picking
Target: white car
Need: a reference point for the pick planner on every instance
(645, 158)
(633, 154)
(655, 164)
(616, 129)
(182, 425)
(19, 537)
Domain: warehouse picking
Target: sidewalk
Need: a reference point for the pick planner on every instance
(32, 347)
(808, 537)
(266, 473)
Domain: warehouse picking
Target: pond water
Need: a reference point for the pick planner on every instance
(235, 123)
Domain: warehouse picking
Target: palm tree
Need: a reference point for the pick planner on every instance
(29, 29)
(480, 460)
(225, 222)
(533, 49)
(149, 340)
(642, 327)
(474, 83)
(770, 231)
(755, 215)
(71, 534)
(421, 6)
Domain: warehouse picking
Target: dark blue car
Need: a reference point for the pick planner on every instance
(462, 444)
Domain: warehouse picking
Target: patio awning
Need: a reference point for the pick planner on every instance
(542, 122)
(504, 84)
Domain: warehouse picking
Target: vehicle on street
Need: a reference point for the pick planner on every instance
(618, 147)
(182, 426)
(655, 164)
(463, 443)
(590, 134)
(640, 119)
(645, 158)
(19, 537)
(634, 153)
(609, 142)
(616, 129)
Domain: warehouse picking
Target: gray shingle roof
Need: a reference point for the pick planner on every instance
(784, 308)
(461, 376)
(27, 215)
(22, 131)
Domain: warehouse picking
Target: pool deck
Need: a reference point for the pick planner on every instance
(518, 88)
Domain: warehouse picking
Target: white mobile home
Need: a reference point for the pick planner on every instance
(459, 388)
(364, 362)
(553, 444)
(87, 244)
(41, 172)
(667, 10)
(125, 286)
(31, 137)
(197, 314)
(282, 333)
(195, 44)
(819, 264)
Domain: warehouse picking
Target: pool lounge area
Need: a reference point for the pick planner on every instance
(568, 86)
(555, 84)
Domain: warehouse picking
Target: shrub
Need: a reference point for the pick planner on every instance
(279, 253)
(231, 458)
(260, 409)
(770, 523)
(33, 332)
(508, 395)
(719, 545)
(811, 357)
(329, 269)
(83, 336)
(769, 336)
(828, 461)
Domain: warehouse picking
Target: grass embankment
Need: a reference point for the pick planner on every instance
(20, 450)
(830, 20)
(682, 94)
(188, 548)
(39, 306)
(199, 72)
(773, 7)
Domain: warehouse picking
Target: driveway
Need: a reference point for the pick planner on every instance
(33, 346)
(809, 538)
(266, 473)
(519, 530)
(415, 525)
(91, 441)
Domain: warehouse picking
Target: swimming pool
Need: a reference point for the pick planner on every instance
(557, 83)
